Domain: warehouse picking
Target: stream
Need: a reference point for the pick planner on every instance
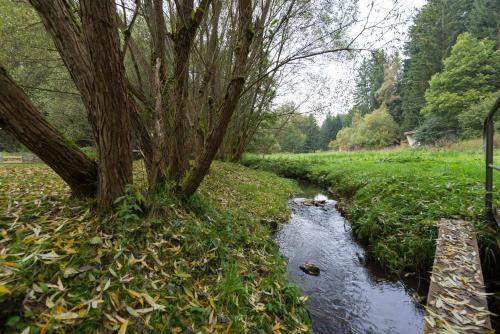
(351, 293)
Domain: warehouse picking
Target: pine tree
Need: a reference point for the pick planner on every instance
(369, 79)
(313, 138)
(484, 20)
(329, 129)
(431, 38)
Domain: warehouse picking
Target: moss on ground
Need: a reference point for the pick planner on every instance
(395, 197)
(203, 266)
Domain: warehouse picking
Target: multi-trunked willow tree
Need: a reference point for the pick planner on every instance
(168, 77)
(87, 39)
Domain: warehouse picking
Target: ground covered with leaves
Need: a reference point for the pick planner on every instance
(154, 265)
(394, 198)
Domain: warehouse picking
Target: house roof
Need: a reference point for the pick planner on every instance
(407, 133)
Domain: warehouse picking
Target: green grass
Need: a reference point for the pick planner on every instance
(154, 265)
(395, 197)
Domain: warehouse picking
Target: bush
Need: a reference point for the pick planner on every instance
(471, 120)
(375, 130)
(455, 97)
(435, 129)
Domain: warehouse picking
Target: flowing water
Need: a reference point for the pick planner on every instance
(351, 295)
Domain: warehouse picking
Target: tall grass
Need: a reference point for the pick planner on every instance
(395, 197)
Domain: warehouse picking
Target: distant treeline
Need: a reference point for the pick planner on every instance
(443, 88)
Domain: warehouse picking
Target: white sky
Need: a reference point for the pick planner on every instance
(324, 87)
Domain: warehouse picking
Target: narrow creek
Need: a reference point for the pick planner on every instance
(351, 294)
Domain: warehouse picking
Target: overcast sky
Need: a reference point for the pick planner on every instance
(327, 87)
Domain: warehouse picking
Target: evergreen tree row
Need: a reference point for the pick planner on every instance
(449, 76)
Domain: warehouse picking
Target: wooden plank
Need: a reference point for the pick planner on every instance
(457, 300)
(12, 159)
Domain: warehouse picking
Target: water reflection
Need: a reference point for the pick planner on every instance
(348, 296)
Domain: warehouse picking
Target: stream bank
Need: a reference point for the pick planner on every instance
(351, 294)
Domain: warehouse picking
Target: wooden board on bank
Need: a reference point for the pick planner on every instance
(12, 159)
(457, 299)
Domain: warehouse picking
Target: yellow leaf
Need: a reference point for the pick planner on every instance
(123, 327)
(115, 300)
(277, 327)
(4, 290)
(212, 303)
(137, 296)
(149, 299)
(45, 327)
(177, 329)
(11, 264)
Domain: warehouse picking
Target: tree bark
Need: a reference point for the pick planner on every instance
(62, 26)
(181, 141)
(109, 103)
(20, 117)
(230, 102)
(91, 53)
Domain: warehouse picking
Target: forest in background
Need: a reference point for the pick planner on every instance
(441, 86)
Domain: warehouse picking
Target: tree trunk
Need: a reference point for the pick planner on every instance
(230, 102)
(91, 53)
(60, 22)
(109, 104)
(181, 134)
(181, 141)
(20, 117)
(157, 171)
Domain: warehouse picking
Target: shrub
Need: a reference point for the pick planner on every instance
(471, 120)
(375, 130)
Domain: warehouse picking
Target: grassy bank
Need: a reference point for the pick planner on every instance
(155, 265)
(395, 197)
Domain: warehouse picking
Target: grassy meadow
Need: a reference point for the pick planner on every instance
(154, 265)
(394, 197)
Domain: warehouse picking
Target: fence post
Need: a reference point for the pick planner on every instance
(488, 146)
(488, 133)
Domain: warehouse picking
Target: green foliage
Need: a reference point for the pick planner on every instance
(470, 73)
(31, 58)
(292, 140)
(313, 136)
(484, 20)
(130, 207)
(369, 80)
(297, 133)
(264, 141)
(431, 38)
(90, 152)
(8, 143)
(471, 121)
(374, 130)
(291, 130)
(388, 93)
(329, 130)
(435, 130)
(395, 197)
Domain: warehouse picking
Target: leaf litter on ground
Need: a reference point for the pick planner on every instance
(205, 266)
